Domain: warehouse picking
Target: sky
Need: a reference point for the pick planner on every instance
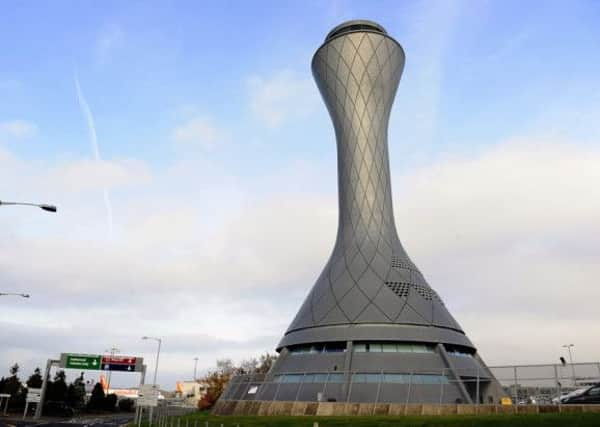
(193, 165)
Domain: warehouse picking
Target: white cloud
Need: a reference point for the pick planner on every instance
(507, 236)
(281, 97)
(83, 175)
(17, 129)
(510, 238)
(200, 131)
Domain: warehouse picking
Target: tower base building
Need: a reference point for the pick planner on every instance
(371, 329)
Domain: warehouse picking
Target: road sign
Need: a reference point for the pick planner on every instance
(97, 362)
(80, 361)
(34, 395)
(148, 395)
(122, 363)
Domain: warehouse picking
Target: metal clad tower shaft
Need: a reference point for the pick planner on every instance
(369, 278)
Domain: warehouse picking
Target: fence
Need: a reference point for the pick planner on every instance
(541, 384)
(526, 384)
(165, 414)
(382, 387)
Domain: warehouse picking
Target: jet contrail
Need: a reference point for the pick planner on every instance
(89, 118)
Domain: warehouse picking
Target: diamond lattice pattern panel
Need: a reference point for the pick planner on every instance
(369, 276)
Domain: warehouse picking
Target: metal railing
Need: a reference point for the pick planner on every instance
(379, 387)
(542, 384)
(165, 414)
(525, 384)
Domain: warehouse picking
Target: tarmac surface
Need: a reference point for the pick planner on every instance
(116, 420)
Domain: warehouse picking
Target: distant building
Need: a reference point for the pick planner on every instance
(191, 391)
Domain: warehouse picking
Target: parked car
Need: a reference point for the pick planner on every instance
(583, 395)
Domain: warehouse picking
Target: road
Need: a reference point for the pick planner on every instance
(91, 421)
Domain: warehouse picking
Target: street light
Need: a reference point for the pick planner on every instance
(14, 294)
(195, 366)
(44, 206)
(568, 347)
(157, 354)
(112, 352)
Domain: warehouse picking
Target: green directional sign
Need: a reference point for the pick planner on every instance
(83, 361)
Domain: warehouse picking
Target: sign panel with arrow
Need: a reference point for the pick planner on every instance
(80, 361)
(99, 362)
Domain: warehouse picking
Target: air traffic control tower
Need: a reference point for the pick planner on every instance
(371, 326)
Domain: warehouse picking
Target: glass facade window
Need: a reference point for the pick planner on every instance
(429, 379)
(334, 347)
(316, 348)
(331, 347)
(320, 378)
(366, 378)
(389, 348)
(355, 27)
(309, 378)
(400, 378)
(404, 348)
(461, 354)
(419, 348)
(396, 378)
(292, 378)
(360, 347)
(392, 347)
(336, 378)
(363, 378)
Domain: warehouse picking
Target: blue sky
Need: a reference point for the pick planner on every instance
(219, 161)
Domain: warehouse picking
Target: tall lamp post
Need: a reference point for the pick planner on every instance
(112, 352)
(568, 347)
(3, 294)
(195, 366)
(157, 354)
(44, 206)
(155, 368)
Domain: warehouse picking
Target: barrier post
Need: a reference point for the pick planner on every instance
(516, 381)
(477, 392)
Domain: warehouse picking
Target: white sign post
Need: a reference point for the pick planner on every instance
(147, 398)
(34, 395)
(148, 395)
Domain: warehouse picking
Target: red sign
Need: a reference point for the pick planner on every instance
(118, 360)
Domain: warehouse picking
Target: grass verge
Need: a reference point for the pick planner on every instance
(521, 420)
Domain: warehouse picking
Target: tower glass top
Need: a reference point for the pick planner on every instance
(355, 25)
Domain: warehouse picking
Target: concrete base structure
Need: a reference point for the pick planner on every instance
(283, 408)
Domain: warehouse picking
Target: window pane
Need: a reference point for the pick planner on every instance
(417, 379)
(360, 348)
(320, 378)
(389, 348)
(373, 378)
(292, 378)
(309, 378)
(396, 378)
(317, 348)
(359, 378)
(404, 348)
(420, 348)
(375, 348)
(336, 378)
(335, 347)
